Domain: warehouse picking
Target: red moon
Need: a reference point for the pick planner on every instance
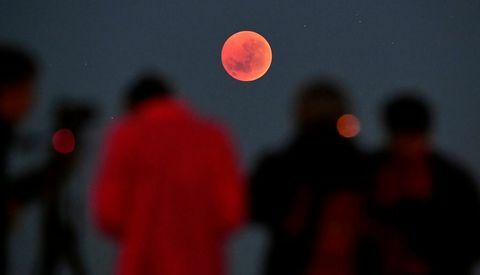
(246, 56)
(348, 126)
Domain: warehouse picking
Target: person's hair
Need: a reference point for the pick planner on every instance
(407, 114)
(320, 101)
(15, 66)
(146, 87)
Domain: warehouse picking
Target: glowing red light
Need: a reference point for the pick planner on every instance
(63, 141)
(348, 126)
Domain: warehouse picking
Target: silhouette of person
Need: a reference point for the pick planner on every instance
(306, 194)
(169, 189)
(17, 81)
(59, 239)
(424, 209)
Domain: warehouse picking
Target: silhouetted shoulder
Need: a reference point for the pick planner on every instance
(120, 134)
(446, 164)
(272, 159)
(456, 178)
(121, 124)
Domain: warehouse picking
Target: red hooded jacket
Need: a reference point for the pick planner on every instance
(169, 191)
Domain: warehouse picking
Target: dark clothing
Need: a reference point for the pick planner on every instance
(59, 242)
(289, 189)
(429, 227)
(58, 239)
(5, 142)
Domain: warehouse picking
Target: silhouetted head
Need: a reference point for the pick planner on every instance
(73, 115)
(319, 104)
(147, 87)
(17, 79)
(408, 122)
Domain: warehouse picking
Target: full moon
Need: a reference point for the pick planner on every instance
(246, 56)
(348, 126)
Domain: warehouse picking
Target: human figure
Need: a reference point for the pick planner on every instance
(169, 190)
(424, 209)
(59, 239)
(17, 81)
(306, 195)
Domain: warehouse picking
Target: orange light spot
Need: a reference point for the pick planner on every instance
(348, 126)
(63, 141)
(246, 56)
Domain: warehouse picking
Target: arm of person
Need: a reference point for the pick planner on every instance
(263, 204)
(111, 190)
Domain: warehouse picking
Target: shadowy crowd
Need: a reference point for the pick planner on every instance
(170, 191)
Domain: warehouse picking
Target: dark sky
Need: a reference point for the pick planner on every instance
(90, 50)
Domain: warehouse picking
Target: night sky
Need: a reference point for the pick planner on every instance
(91, 50)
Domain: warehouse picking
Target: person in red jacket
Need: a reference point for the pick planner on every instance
(169, 189)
